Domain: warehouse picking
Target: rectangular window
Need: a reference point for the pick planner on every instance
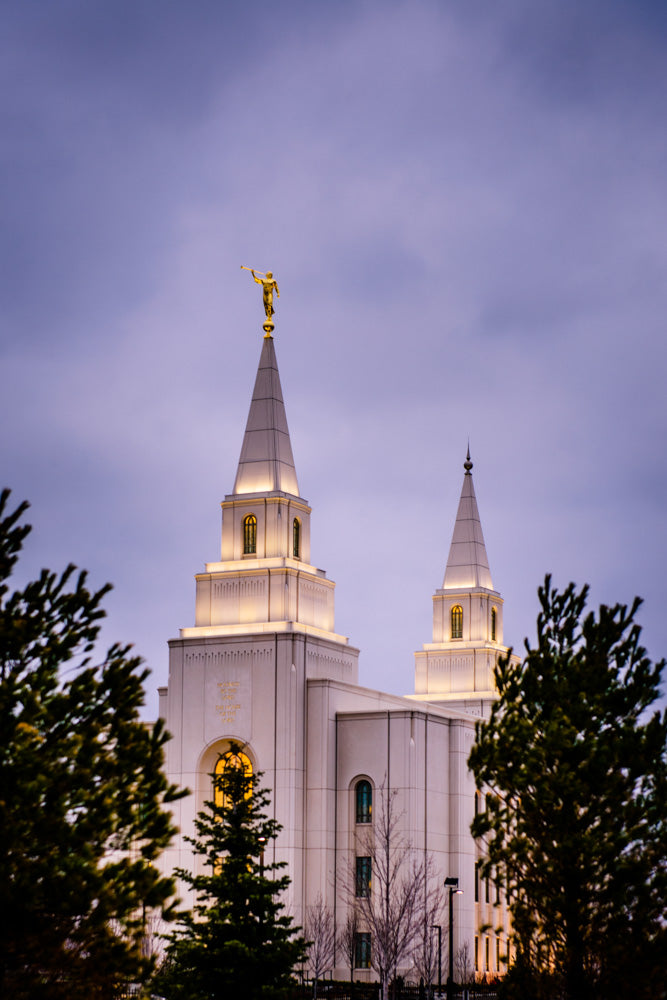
(486, 889)
(476, 954)
(477, 882)
(363, 878)
(362, 951)
(486, 952)
(497, 952)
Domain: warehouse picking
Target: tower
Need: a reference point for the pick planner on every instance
(456, 668)
(264, 624)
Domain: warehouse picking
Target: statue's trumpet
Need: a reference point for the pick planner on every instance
(244, 268)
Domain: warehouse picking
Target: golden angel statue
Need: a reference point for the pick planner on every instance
(269, 285)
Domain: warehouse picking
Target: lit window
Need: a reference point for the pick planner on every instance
(296, 538)
(364, 801)
(493, 624)
(249, 534)
(362, 951)
(457, 622)
(362, 885)
(229, 759)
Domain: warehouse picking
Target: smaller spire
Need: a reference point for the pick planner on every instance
(467, 565)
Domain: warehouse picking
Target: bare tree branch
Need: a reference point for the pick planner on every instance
(463, 964)
(429, 916)
(320, 932)
(387, 907)
(347, 939)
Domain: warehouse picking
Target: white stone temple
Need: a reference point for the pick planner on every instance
(263, 666)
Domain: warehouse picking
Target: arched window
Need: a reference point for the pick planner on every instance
(457, 622)
(236, 759)
(364, 801)
(296, 538)
(493, 624)
(249, 534)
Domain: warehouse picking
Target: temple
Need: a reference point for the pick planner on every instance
(263, 666)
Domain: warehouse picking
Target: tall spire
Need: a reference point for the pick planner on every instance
(266, 464)
(467, 565)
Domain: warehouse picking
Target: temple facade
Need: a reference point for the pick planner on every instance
(263, 666)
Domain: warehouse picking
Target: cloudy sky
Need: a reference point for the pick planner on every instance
(465, 205)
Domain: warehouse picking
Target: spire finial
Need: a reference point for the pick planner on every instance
(467, 465)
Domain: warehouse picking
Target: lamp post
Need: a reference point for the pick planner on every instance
(262, 841)
(438, 928)
(453, 885)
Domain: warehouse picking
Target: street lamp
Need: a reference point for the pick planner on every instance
(453, 885)
(438, 928)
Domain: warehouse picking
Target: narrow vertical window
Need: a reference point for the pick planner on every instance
(296, 538)
(457, 622)
(362, 951)
(486, 953)
(249, 534)
(493, 624)
(477, 881)
(362, 886)
(497, 952)
(364, 801)
(476, 954)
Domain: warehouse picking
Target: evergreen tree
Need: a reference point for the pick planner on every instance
(573, 759)
(238, 941)
(82, 792)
